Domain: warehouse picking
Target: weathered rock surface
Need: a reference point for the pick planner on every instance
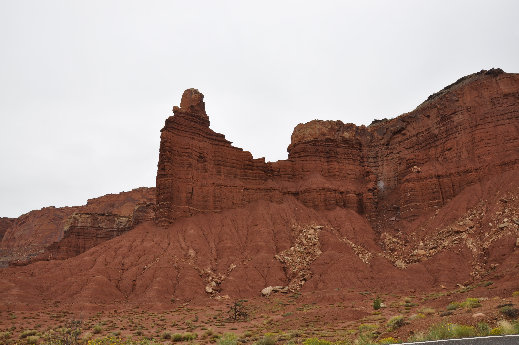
(394, 168)
(86, 230)
(5, 223)
(27, 236)
(426, 201)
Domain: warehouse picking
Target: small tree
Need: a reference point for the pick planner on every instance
(238, 310)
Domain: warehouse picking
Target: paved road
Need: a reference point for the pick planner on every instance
(495, 340)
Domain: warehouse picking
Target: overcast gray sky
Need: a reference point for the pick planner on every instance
(85, 86)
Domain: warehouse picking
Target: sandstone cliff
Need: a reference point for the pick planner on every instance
(425, 201)
(37, 234)
(394, 169)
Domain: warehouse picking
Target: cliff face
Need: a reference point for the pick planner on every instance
(5, 223)
(425, 201)
(394, 169)
(27, 237)
(86, 230)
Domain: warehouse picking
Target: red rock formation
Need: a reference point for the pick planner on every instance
(391, 169)
(5, 223)
(28, 235)
(427, 199)
(86, 230)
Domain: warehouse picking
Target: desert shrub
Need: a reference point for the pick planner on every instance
(453, 306)
(97, 329)
(417, 337)
(28, 333)
(496, 331)
(389, 340)
(470, 303)
(315, 341)
(462, 331)
(515, 294)
(207, 333)
(416, 316)
(228, 339)
(365, 339)
(377, 303)
(166, 336)
(506, 327)
(267, 339)
(428, 311)
(86, 336)
(177, 337)
(366, 327)
(450, 330)
(482, 329)
(189, 336)
(32, 339)
(117, 341)
(509, 311)
(439, 331)
(5, 335)
(395, 322)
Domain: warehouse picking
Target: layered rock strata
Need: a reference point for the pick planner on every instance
(38, 234)
(393, 169)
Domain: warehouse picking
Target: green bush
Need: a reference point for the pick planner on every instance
(166, 336)
(315, 341)
(97, 329)
(507, 327)
(228, 339)
(177, 337)
(482, 329)
(389, 340)
(395, 322)
(471, 303)
(462, 331)
(377, 303)
(453, 306)
(267, 340)
(189, 336)
(428, 311)
(32, 339)
(28, 333)
(509, 311)
(451, 330)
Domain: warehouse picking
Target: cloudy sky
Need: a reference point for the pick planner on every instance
(85, 86)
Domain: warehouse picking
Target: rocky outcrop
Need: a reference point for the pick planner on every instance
(426, 201)
(5, 223)
(27, 237)
(86, 230)
(393, 169)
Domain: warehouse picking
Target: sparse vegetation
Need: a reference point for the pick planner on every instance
(316, 341)
(395, 322)
(228, 339)
(28, 333)
(267, 339)
(470, 303)
(97, 329)
(453, 306)
(509, 311)
(238, 310)
(389, 340)
(377, 303)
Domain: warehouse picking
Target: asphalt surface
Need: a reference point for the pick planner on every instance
(494, 340)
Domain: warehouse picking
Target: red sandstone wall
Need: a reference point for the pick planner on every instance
(397, 168)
